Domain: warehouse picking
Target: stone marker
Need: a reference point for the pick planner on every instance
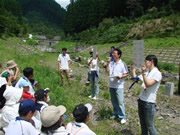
(169, 88)
(138, 53)
(179, 81)
(94, 52)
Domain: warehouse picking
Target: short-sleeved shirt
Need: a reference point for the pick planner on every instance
(149, 94)
(18, 84)
(79, 129)
(64, 59)
(94, 64)
(117, 69)
(21, 127)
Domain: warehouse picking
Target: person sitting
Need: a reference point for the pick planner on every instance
(13, 70)
(28, 75)
(8, 77)
(3, 84)
(81, 115)
(12, 97)
(42, 98)
(25, 85)
(52, 120)
(21, 125)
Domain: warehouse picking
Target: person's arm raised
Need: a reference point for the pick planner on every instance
(107, 66)
(148, 83)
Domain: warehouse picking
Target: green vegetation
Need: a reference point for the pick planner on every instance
(11, 20)
(45, 66)
(64, 44)
(19, 17)
(45, 17)
(166, 42)
(109, 21)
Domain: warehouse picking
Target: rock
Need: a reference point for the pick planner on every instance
(84, 58)
(175, 111)
(157, 108)
(170, 115)
(160, 118)
(163, 114)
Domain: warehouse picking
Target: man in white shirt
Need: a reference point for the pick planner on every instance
(28, 75)
(93, 74)
(117, 71)
(64, 65)
(81, 116)
(21, 125)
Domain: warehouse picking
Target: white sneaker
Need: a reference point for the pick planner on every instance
(95, 98)
(90, 96)
(123, 121)
(87, 82)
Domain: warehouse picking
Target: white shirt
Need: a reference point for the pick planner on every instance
(31, 90)
(79, 129)
(21, 127)
(94, 64)
(36, 118)
(10, 110)
(64, 61)
(117, 69)
(60, 131)
(149, 94)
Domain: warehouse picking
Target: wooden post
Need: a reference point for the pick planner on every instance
(179, 81)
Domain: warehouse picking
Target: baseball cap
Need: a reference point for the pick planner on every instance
(27, 105)
(39, 95)
(82, 111)
(24, 83)
(51, 115)
(2, 81)
(5, 74)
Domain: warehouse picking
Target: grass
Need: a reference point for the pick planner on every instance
(167, 42)
(64, 44)
(45, 67)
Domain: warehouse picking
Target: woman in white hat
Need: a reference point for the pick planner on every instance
(52, 118)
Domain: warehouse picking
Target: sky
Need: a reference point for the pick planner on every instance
(63, 3)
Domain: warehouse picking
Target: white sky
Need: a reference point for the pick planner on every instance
(63, 3)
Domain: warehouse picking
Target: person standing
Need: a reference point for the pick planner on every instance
(117, 71)
(64, 65)
(147, 99)
(93, 74)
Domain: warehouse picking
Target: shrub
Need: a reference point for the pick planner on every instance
(31, 42)
(167, 66)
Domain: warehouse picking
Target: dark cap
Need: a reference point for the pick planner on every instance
(28, 105)
(5, 74)
(81, 111)
(40, 94)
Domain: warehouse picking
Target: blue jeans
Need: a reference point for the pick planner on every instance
(146, 112)
(94, 79)
(117, 99)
